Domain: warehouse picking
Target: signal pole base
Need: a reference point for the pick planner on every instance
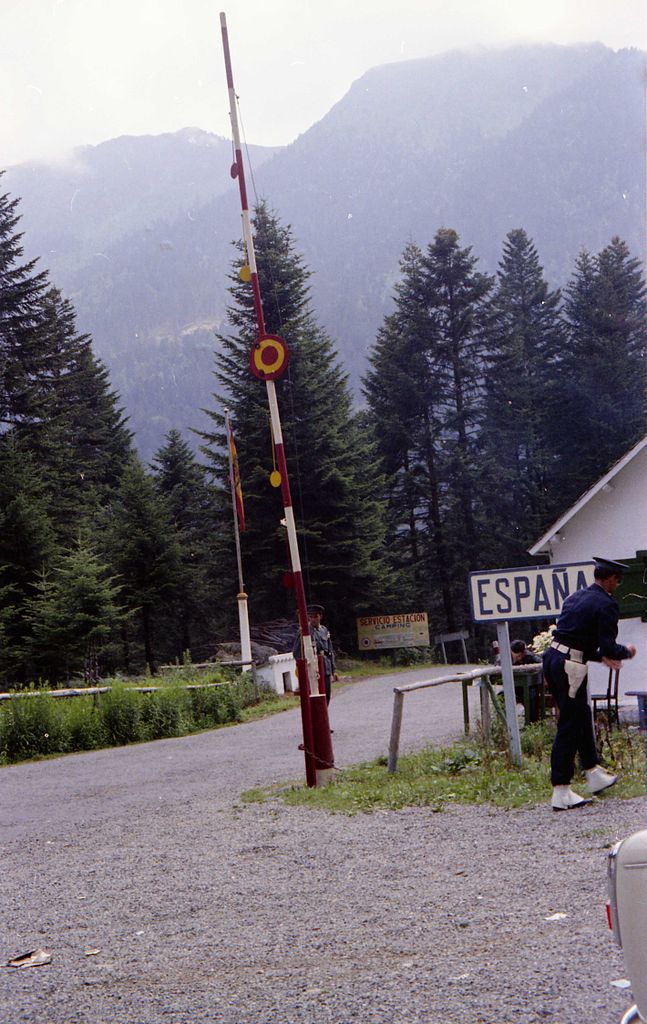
(324, 756)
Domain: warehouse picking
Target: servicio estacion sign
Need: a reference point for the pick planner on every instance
(377, 632)
(534, 592)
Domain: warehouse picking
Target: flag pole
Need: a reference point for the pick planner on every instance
(268, 361)
(243, 614)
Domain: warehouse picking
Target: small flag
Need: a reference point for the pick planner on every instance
(235, 475)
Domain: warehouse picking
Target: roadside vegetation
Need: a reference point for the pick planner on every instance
(34, 724)
(469, 772)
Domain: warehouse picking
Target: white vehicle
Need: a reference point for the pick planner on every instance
(627, 909)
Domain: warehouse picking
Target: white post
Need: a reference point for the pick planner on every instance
(243, 616)
(245, 640)
(503, 636)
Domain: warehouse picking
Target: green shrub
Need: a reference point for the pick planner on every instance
(30, 726)
(218, 705)
(207, 707)
(120, 711)
(537, 740)
(232, 698)
(84, 724)
(165, 713)
(402, 656)
(39, 724)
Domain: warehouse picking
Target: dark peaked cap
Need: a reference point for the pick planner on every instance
(606, 563)
(315, 608)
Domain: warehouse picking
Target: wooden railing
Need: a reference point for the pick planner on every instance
(482, 675)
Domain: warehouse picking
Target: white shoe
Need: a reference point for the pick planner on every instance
(598, 779)
(565, 799)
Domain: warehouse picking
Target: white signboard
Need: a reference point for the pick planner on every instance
(534, 592)
(378, 632)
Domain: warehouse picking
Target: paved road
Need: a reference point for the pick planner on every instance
(221, 764)
(206, 910)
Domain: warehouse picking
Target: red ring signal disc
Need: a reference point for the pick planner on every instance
(269, 357)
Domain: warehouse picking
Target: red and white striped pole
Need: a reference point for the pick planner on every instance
(268, 361)
(238, 171)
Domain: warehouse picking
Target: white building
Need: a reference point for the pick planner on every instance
(610, 521)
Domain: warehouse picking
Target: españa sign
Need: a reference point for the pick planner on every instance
(536, 592)
(376, 632)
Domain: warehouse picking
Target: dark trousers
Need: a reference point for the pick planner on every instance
(328, 682)
(575, 734)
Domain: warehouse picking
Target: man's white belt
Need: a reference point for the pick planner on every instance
(571, 652)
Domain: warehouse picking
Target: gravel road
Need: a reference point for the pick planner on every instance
(204, 909)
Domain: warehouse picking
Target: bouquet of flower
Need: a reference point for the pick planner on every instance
(542, 641)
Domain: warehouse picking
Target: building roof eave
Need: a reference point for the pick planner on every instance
(542, 545)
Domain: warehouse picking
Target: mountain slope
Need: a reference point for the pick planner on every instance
(75, 210)
(548, 138)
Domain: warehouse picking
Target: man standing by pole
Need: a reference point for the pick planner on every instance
(586, 631)
(322, 642)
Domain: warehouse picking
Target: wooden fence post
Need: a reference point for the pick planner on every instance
(396, 724)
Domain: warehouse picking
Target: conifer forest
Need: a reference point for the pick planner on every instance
(490, 403)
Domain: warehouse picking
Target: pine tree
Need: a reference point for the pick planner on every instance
(404, 401)
(141, 548)
(425, 384)
(54, 393)
(525, 338)
(81, 441)
(21, 356)
(456, 295)
(74, 616)
(181, 481)
(329, 457)
(63, 439)
(602, 397)
(27, 544)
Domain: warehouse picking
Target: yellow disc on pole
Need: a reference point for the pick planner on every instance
(275, 478)
(269, 357)
(245, 274)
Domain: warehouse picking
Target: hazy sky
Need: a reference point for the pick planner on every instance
(81, 71)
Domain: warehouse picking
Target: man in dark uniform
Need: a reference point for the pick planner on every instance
(322, 643)
(586, 631)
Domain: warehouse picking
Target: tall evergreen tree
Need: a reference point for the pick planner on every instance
(54, 393)
(192, 612)
(603, 371)
(22, 360)
(27, 544)
(63, 440)
(141, 548)
(404, 399)
(74, 615)
(329, 457)
(81, 441)
(456, 294)
(425, 383)
(525, 339)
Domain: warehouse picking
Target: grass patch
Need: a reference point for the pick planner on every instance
(469, 772)
(271, 704)
(256, 796)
